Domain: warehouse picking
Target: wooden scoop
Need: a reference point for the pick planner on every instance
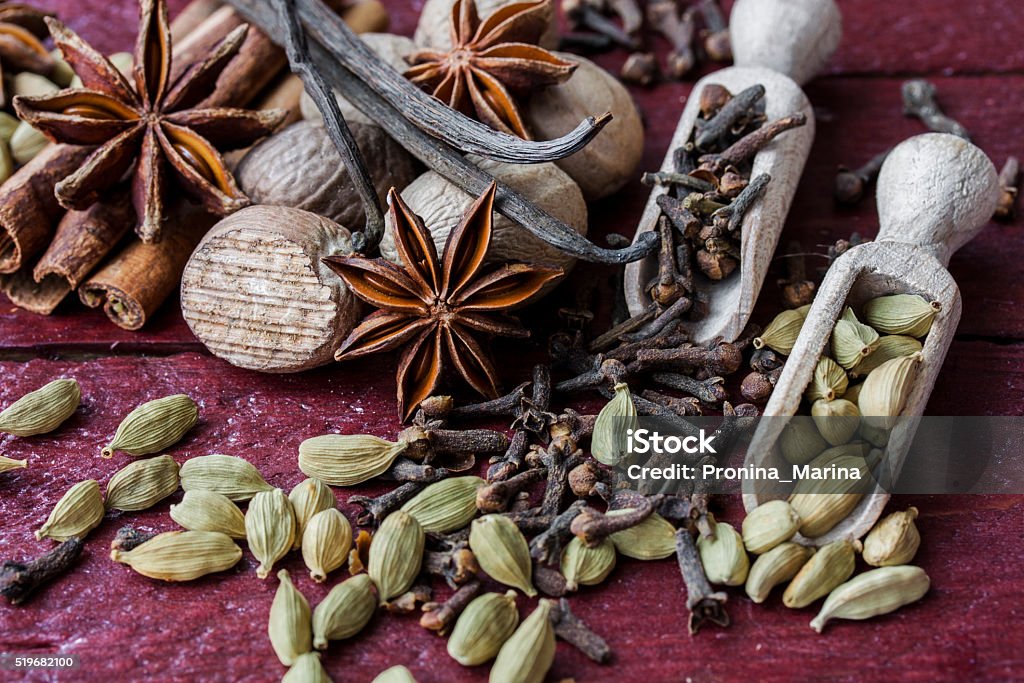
(778, 44)
(935, 192)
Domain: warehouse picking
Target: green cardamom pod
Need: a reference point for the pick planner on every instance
(62, 72)
(396, 554)
(325, 543)
(652, 539)
(528, 654)
(886, 391)
(852, 393)
(308, 498)
(768, 525)
(307, 669)
(8, 124)
(829, 381)
(269, 529)
(290, 624)
(889, 347)
(502, 551)
(837, 421)
(154, 426)
(800, 441)
(446, 505)
(852, 341)
(722, 554)
(874, 592)
(43, 410)
(78, 512)
(782, 332)
(608, 443)
(893, 541)
(396, 674)
(26, 143)
(823, 503)
(142, 484)
(779, 564)
(181, 555)
(209, 511)
(483, 627)
(345, 611)
(830, 566)
(907, 314)
(11, 464)
(347, 459)
(228, 475)
(586, 566)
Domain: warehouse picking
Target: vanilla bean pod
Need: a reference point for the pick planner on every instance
(19, 580)
(704, 603)
(376, 509)
(574, 631)
(439, 616)
(751, 144)
(722, 123)
(496, 496)
(919, 100)
(546, 547)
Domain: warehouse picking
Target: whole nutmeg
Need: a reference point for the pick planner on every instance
(612, 157)
(300, 167)
(441, 205)
(258, 295)
(390, 48)
(433, 31)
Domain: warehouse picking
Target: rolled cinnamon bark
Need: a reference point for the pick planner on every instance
(38, 297)
(191, 16)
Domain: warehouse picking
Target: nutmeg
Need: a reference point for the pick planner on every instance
(432, 30)
(441, 204)
(300, 168)
(612, 157)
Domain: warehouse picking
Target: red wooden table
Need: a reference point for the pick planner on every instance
(126, 627)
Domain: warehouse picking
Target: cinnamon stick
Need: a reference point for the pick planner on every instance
(191, 16)
(37, 297)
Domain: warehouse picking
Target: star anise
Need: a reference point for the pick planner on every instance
(151, 123)
(21, 28)
(491, 62)
(435, 308)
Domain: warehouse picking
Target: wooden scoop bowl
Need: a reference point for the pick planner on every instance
(778, 44)
(935, 193)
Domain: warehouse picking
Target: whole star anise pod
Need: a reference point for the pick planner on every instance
(21, 28)
(152, 123)
(436, 308)
(491, 62)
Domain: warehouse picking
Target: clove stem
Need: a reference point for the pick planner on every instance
(704, 603)
(919, 100)
(18, 581)
(574, 631)
(722, 122)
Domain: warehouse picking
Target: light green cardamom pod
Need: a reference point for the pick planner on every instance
(396, 674)
(62, 72)
(269, 528)
(233, 477)
(886, 391)
(723, 556)
(652, 539)
(347, 459)
(874, 592)
(447, 505)
(837, 421)
(608, 443)
(894, 540)
(11, 464)
(154, 426)
(782, 332)
(829, 381)
(307, 669)
(6, 162)
(345, 611)
(528, 654)
(209, 511)
(325, 543)
(308, 498)
(502, 551)
(779, 564)
(831, 565)
(769, 525)
(181, 555)
(31, 84)
(396, 554)
(907, 314)
(26, 143)
(585, 566)
(78, 512)
(852, 341)
(42, 410)
(483, 627)
(800, 441)
(823, 503)
(889, 347)
(142, 484)
(852, 393)
(290, 626)
(8, 124)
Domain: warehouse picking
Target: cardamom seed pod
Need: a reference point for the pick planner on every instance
(32, 84)
(78, 512)
(233, 477)
(142, 484)
(307, 669)
(886, 390)
(8, 124)
(290, 624)
(209, 511)
(11, 464)
(823, 503)
(62, 72)
(43, 410)
(800, 441)
(347, 459)
(396, 674)
(768, 525)
(889, 347)
(502, 551)
(608, 442)
(483, 627)
(852, 393)
(779, 564)
(829, 381)
(445, 506)
(26, 143)
(782, 332)
(181, 555)
(906, 314)
(396, 554)
(837, 421)
(652, 539)
(345, 611)
(724, 559)
(528, 654)
(154, 426)
(874, 592)
(852, 341)
(269, 529)
(831, 565)
(585, 566)
(6, 162)
(894, 540)
(325, 543)
(308, 498)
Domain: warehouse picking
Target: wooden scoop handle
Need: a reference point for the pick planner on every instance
(935, 191)
(793, 37)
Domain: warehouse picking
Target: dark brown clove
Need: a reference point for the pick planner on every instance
(585, 42)
(670, 179)
(374, 510)
(420, 594)
(609, 373)
(19, 580)
(503, 406)
(583, 478)
(408, 470)
(724, 120)
(508, 464)
(496, 496)
(610, 337)
(629, 14)
(592, 527)
(456, 565)
(1009, 178)
(797, 289)
(919, 100)
(546, 547)
(682, 219)
(640, 68)
(717, 44)
(549, 580)
(440, 616)
(574, 631)
(704, 603)
(750, 144)
(733, 213)
(710, 391)
(582, 15)
(852, 184)
(719, 359)
(128, 538)
(678, 29)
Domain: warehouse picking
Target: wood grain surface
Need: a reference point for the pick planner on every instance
(126, 627)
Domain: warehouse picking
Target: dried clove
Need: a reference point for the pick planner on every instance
(128, 538)
(717, 44)
(574, 631)
(851, 184)
(503, 406)
(734, 212)
(710, 391)
(751, 144)
(546, 547)
(629, 14)
(439, 616)
(1009, 178)
(670, 179)
(719, 359)
(407, 470)
(496, 496)
(592, 527)
(919, 100)
(585, 42)
(704, 603)
(640, 68)
(506, 465)
(582, 15)
(797, 289)
(419, 594)
(609, 373)
(456, 565)
(664, 17)
(724, 120)
(683, 407)
(549, 581)
(18, 581)
(376, 509)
